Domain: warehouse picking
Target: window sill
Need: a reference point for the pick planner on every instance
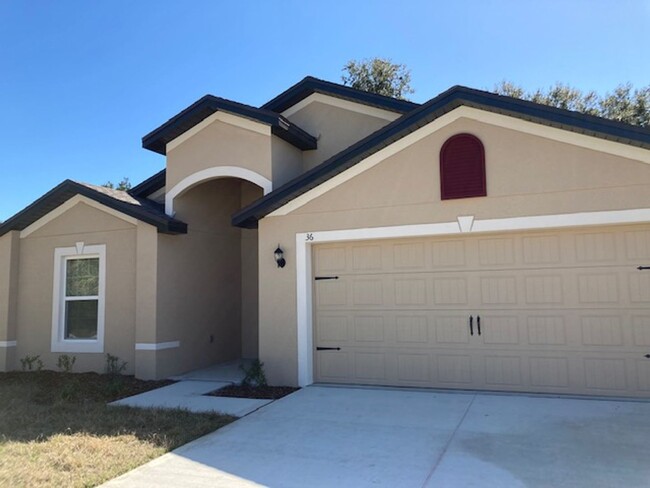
(78, 346)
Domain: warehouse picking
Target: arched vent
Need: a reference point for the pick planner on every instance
(462, 168)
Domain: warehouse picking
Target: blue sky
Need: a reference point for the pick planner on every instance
(81, 82)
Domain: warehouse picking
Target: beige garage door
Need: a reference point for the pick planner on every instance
(560, 312)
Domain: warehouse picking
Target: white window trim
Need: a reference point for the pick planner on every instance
(464, 225)
(61, 255)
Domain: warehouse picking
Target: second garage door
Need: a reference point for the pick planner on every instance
(561, 312)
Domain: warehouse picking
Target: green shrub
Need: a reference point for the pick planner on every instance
(113, 366)
(32, 363)
(65, 363)
(255, 376)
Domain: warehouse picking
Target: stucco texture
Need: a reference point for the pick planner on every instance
(526, 175)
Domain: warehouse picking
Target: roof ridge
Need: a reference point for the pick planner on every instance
(310, 84)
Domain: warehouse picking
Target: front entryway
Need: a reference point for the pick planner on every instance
(560, 312)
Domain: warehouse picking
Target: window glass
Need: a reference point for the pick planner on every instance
(81, 319)
(82, 277)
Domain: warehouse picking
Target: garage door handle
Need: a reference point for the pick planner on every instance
(641, 268)
(471, 325)
(648, 356)
(328, 348)
(478, 324)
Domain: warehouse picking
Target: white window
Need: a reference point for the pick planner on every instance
(78, 301)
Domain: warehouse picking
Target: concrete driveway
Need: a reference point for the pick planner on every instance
(356, 437)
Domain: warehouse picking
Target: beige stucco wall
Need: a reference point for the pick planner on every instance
(526, 175)
(9, 254)
(199, 280)
(249, 279)
(287, 161)
(220, 144)
(335, 128)
(81, 223)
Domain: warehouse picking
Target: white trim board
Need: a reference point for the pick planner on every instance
(211, 174)
(156, 346)
(8, 343)
(64, 207)
(504, 121)
(227, 118)
(464, 225)
(361, 108)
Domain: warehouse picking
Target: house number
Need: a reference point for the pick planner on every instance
(310, 237)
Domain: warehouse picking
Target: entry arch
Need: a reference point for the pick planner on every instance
(211, 174)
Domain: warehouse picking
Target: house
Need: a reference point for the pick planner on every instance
(475, 241)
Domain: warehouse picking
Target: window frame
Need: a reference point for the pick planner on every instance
(61, 257)
(444, 192)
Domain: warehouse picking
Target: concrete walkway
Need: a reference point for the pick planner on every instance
(190, 395)
(340, 437)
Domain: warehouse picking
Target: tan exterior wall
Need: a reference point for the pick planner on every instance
(9, 255)
(526, 175)
(249, 279)
(81, 223)
(287, 161)
(199, 280)
(220, 144)
(335, 128)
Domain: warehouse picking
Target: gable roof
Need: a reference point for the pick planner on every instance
(309, 85)
(150, 185)
(157, 139)
(445, 102)
(138, 208)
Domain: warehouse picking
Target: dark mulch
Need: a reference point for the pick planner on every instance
(258, 392)
(45, 386)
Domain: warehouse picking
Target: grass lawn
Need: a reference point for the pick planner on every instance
(56, 429)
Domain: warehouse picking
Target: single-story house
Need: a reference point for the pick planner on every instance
(475, 241)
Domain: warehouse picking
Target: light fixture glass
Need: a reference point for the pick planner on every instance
(279, 257)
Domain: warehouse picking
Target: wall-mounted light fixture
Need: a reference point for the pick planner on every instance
(279, 257)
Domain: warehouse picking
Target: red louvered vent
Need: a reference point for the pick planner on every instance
(462, 168)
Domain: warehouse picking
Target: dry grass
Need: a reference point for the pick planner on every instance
(56, 429)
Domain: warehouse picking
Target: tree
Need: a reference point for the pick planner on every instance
(624, 104)
(378, 75)
(123, 185)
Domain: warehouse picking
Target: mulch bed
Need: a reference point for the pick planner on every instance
(258, 393)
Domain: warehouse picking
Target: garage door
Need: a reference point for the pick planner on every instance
(561, 312)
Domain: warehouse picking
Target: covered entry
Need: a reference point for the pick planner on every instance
(561, 312)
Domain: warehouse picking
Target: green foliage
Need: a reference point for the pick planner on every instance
(32, 363)
(113, 366)
(624, 104)
(123, 185)
(255, 375)
(378, 75)
(65, 363)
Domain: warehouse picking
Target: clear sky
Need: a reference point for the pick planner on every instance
(82, 81)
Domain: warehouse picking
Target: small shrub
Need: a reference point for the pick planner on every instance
(65, 363)
(113, 366)
(255, 376)
(32, 363)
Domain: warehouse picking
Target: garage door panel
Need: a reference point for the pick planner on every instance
(455, 369)
(541, 250)
(499, 329)
(452, 329)
(412, 329)
(637, 245)
(641, 330)
(549, 371)
(546, 330)
(561, 312)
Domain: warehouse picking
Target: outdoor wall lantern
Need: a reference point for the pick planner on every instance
(279, 257)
